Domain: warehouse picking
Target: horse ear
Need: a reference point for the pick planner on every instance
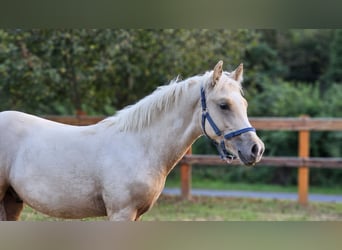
(217, 72)
(237, 73)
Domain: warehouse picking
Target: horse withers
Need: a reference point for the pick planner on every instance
(118, 167)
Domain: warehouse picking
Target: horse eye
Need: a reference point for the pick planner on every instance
(224, 106)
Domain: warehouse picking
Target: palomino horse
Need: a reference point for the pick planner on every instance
(117, 167)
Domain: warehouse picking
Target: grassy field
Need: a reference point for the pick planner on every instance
(171, 208)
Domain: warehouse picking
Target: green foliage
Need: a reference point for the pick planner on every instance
(99, 71)
(334, 72)
(305, 53)
(280, 98)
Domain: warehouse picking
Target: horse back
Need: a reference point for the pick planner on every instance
(13, 128)
(16, 127)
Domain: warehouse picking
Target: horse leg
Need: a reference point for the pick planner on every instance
(125, 214)
(10, 210)
(3, 188)
(13, 205)
(2, 211)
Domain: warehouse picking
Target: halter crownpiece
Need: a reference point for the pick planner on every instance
(221, 148)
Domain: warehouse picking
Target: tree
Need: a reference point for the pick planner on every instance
(99, 71)
(334, 72)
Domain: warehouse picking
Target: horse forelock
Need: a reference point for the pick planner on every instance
(227, 83)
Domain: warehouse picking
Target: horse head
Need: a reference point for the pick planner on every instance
(224, 116)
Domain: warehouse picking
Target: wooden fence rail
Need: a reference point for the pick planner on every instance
(304, 125)
(295, 162)
(297, 124)
(82, 120)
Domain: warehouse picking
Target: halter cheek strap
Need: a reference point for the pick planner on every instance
(225, 155)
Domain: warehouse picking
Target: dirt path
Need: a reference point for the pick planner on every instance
(254, 194)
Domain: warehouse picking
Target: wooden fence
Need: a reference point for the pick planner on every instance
(303, 125)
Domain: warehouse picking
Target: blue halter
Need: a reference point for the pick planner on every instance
(221, 148)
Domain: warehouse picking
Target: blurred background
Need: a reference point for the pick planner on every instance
(288, 73)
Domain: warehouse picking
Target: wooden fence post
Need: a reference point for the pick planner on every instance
(185, 174)
(303, 171)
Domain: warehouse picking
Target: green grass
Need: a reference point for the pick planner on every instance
(171, 208)
(221, 185)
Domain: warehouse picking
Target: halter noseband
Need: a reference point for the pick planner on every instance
(221, 148)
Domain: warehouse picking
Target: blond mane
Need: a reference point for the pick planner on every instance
(138, 116)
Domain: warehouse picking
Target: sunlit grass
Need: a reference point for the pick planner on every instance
(241, 209)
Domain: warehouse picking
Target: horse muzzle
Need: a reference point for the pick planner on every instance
(247, 147)
(251, 153)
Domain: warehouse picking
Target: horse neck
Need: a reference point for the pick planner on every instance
(175, 129)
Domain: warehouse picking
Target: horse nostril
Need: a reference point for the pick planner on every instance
(255, 149)
(262, 150)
